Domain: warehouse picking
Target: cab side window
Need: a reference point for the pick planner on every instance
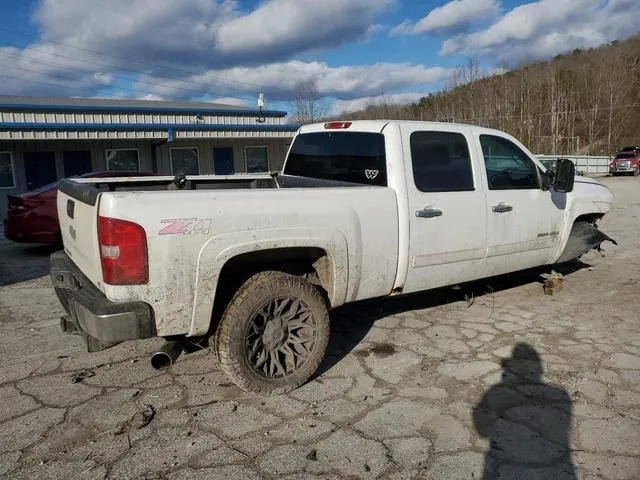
(441, 162)
(507, 166)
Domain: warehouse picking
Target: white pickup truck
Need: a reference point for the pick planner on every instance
(363, 209)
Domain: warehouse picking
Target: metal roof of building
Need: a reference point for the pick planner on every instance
(126, 105)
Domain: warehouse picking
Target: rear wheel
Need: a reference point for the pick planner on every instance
(274, 333)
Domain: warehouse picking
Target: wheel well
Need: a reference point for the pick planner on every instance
(589, 217)
(575, 244)
(308, 262)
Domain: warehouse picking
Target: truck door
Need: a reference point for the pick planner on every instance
(447, 207)
(523, 220)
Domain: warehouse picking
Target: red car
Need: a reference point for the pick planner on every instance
(33, 216)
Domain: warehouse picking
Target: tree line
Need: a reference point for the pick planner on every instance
(586, 102)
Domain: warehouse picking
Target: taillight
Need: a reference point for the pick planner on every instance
(123, 252)
(337, 125)
(22, 204)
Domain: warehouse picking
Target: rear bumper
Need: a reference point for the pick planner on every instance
(14, 230)
(92, 313)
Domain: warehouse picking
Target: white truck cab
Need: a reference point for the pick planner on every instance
(361, 209)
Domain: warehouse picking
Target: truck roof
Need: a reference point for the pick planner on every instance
(378, 125)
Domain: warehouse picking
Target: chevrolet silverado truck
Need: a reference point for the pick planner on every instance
(251, 265)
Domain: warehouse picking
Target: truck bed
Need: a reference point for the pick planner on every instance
(193, 231)
(87, 190)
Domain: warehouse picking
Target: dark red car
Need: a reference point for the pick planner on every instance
(33, 216)
(627, 162)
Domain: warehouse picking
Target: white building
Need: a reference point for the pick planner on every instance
(44, 139)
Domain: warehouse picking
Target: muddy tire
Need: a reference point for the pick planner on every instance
(213, 347)
(273, 335)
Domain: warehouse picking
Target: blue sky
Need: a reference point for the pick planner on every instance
(353, 53)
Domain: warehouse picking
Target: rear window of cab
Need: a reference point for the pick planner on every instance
(354, 157)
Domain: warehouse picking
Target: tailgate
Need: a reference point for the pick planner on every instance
(78, 216)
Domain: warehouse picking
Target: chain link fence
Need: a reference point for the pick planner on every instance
(587, 165)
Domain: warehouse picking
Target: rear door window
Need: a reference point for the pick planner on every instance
(354, 157)
(441, 162)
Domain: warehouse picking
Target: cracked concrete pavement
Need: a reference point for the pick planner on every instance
(411, 387)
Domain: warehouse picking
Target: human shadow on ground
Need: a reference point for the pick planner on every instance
(20, 262)
(527, 422)
(351, 323)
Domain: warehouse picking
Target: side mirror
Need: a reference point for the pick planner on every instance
(565, 175)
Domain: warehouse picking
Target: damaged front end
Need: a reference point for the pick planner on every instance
(585, 236)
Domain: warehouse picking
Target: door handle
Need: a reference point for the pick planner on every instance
(429, 212)
(502, 208)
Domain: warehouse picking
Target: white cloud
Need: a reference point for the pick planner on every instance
(546, 28)
(216, 49)
(374, 29)
(279, 81)
(345, 106)
(153, 30)
(290, 26)
(39, 68)
(150, 96)
(403, 28)
(455, 16)
(85, 46)
(238, 102)
(102, 78)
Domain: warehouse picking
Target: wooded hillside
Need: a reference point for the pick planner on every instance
(585, 102)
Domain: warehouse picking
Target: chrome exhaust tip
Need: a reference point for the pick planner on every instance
(167, 355)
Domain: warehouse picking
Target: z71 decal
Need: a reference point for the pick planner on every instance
(186, 226)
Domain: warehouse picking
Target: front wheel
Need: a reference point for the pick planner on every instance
(274, 333)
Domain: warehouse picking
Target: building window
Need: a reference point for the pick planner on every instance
(125, 160)
(223, 161)
(39, 169)
(185, 160)
(76, 162)
(6, 170)
(257, 159)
